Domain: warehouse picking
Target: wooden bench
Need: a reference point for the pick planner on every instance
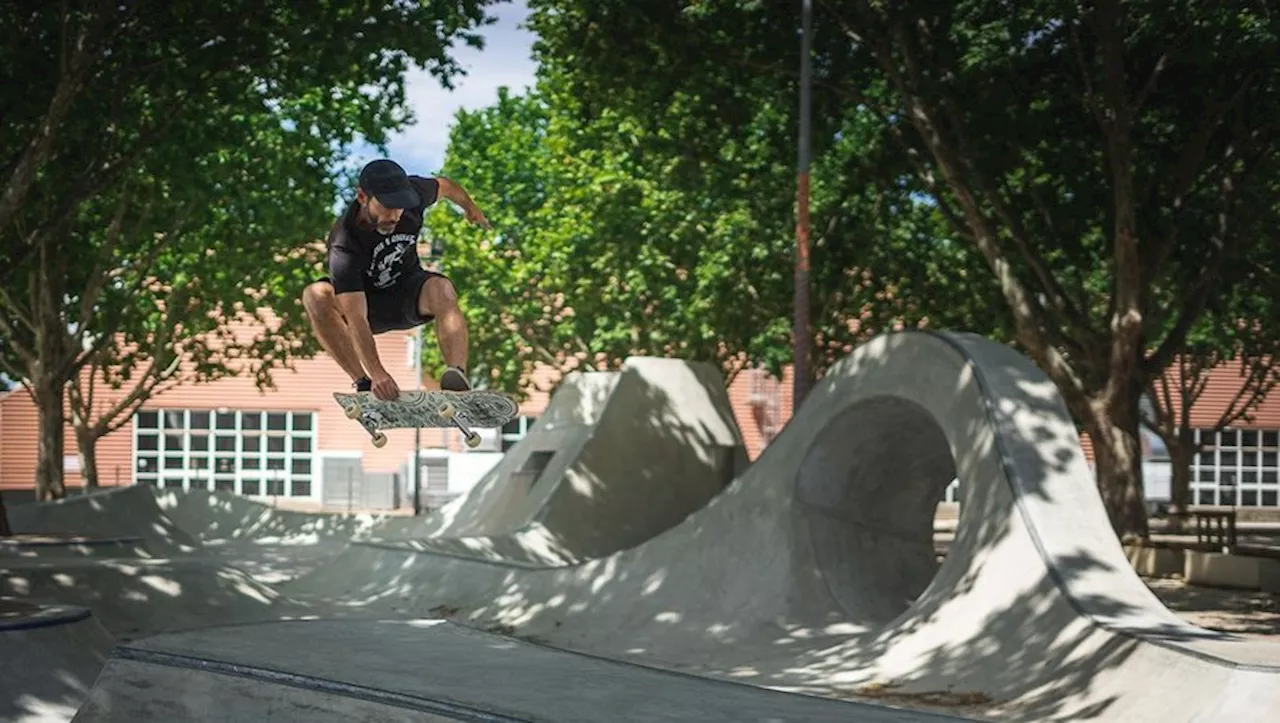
(1215, 527)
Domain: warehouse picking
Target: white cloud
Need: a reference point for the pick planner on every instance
(505, 60)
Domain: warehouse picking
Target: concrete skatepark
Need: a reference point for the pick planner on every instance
(624, 562)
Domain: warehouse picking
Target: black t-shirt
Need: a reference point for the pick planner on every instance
(361, 259)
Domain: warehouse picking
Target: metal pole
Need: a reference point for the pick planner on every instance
(417, 430)
(803, 341)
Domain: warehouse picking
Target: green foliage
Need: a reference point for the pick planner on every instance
(170, 166)
(613, 241)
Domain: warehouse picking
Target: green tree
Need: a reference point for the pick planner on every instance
(126, 120)
(1238, 331)
(163, 317)
(613, 242)
(1106, 161)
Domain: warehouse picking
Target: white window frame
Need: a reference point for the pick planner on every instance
(205, 478)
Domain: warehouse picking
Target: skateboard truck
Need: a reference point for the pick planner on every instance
(448, 411)
(379, 437)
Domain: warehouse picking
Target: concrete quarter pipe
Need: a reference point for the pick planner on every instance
(813, 571)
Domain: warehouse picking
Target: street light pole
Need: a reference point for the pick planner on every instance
(802, 335)
(417, 430)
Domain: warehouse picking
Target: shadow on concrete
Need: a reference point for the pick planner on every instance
(813, 570)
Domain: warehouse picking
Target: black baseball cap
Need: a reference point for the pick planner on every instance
(386, 181)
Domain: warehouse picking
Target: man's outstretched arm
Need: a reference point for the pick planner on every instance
(454, 191)
(354, 306)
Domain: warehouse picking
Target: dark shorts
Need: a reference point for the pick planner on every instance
(397, 307)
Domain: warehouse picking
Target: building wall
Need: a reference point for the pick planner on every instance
(308, 386)
(761, 404)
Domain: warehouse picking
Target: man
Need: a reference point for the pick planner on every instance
(377, 283)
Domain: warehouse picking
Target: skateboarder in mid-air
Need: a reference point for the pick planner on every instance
(376, 282)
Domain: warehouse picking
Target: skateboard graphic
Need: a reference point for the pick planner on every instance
(420, 408)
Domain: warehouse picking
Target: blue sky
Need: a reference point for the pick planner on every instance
(505, 60)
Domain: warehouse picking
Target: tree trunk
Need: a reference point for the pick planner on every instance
(87, 442)
(1113, 429)
(1182, 450)
(5, 529)
(49, 481)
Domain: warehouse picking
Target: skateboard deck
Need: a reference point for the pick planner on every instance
(422, 408)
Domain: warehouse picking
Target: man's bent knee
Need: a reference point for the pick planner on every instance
(439, 296)
(318, 298)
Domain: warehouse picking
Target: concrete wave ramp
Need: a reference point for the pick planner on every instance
(814, 571)
(615, 459)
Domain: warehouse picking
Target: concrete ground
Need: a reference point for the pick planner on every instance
(660, 581)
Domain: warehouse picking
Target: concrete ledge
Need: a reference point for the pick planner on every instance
(1155, 561)
(1216, 569)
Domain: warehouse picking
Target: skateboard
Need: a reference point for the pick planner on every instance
(421, 408)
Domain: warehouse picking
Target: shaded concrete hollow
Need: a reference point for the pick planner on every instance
(869, 487)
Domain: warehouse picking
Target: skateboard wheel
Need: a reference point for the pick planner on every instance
(447, 411)
(473, 440)
(353, 412)
(379, 439)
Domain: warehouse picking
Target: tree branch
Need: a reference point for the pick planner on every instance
(1224, 243)
(70, 80)
(1189, 162)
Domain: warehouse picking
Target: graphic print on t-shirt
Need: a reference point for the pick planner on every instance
(361, 259)
(384, 266)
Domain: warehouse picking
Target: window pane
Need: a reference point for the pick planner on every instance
(1204, 497)
(224, 465)
(1229, 438)
(302, 466)
(251, 420)
(1268, 498)
(1229, 459)
(1249, 459)
(226, 420)
(1206, 459)
(148, 420)
(1249, 498)
(1249, 476)
(1269, 459)
(249, 463)
(1269, 477)
(302, 488)
(275, 487)
(200, 462)
(173, 419)
(1249, 438)
(275, 444)
(251, 487)
(1270, 439)
(275, 463)
(200, 443)
(173, 482)
(146, 463)
(276, 421)
(225, 444)
(199, 420)
(149, 442)
(1207, 475)
(224, 484)
(251, 443)
(301, 444)
(302, 421)
(174, 442)
(173, 462)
